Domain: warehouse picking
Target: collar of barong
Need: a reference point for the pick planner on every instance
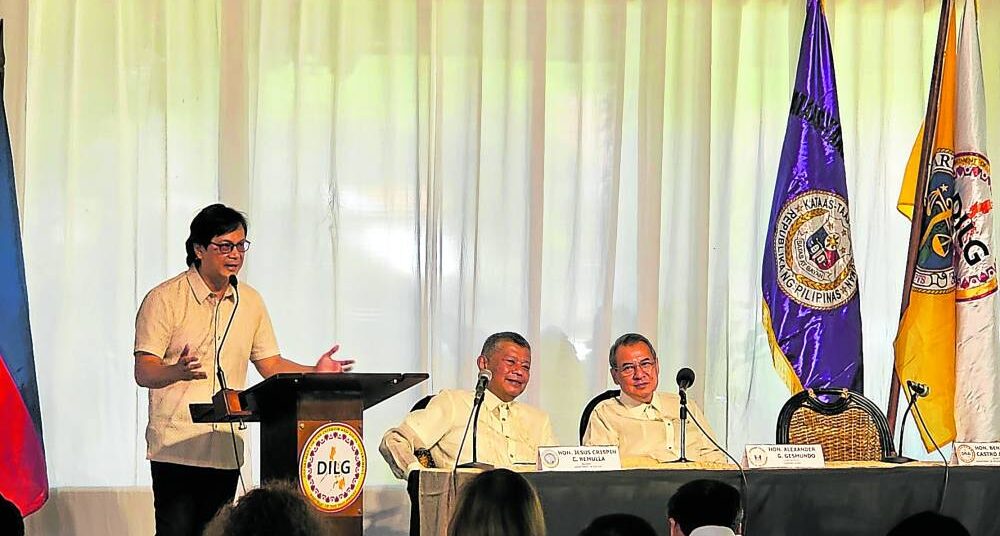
(638, 407)
(200, 289)
(492, 401)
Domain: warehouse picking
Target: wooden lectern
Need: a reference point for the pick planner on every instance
(311, 432)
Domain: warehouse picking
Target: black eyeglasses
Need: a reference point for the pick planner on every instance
(226, 247)
(628, 369)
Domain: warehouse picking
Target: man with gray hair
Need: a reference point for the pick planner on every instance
(640, 421)
(510, 432)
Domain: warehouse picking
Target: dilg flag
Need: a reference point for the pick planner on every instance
(23, 479)
(977, 363)
(811, 305)
(947, 335)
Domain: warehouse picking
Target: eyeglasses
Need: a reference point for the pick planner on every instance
(629, 369)
(226, 247)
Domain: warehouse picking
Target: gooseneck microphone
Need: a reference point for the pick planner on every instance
(917, 390)
(685, 379)
(226, 400)
(482, 381)
(218, 349)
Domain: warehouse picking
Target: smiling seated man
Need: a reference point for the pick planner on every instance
(643, 423)
(510, 432)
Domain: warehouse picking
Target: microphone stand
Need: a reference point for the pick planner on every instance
(899, 458)
(684, 417)
(227, 401)
(477, 404)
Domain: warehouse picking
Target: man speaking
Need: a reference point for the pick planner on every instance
(640, 421)
(181, 328)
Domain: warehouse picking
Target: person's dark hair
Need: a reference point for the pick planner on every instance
(275, 508)
(628, 339)
(498, 503)
(929, 523)
(493, 341)
(704, 502)
(212, 221)
(619, 525)
(11, 521)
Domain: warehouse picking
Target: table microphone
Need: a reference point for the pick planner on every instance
(920, 390)
(917, 390)
(685, 379)
(482, 381)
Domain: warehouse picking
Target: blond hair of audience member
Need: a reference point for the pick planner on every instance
(275, 508)
(498, 503)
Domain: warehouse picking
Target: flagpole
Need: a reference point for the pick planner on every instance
(916, 221)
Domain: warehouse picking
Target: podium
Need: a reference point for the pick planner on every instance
(311, 434)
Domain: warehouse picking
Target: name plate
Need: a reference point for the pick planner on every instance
(578, 459)
(977, 453)
(783, 457)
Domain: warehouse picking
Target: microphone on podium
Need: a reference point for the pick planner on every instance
(226, 400)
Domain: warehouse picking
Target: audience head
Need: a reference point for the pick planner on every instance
(275, 508)
(508, 356)
(498, 503)
(703, 503)
(619, 525)
(634, 366)
(11, 521)
(213, 220)
(929, 523)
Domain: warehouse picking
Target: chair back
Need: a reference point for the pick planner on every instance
(585, 417)
(422, 403)
(847, 425)
(423, 455)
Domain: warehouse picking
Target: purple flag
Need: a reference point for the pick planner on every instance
(811, 305)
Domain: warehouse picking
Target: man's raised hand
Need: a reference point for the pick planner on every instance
(189, 367)
(327, 363)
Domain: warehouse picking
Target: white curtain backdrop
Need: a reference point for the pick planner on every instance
(420, 174)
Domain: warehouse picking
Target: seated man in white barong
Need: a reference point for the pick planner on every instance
(644, 423)
(509, 434)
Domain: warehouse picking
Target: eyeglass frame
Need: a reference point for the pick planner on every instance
(628, 369)
(225, 248)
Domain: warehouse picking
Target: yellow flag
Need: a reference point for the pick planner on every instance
(925, 342)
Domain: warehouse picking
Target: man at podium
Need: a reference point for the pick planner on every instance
(194, 333)
(510, 432)
(640, 421)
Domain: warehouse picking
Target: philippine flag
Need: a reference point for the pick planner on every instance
(23, 480)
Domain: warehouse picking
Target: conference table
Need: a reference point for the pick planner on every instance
(840, 499)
